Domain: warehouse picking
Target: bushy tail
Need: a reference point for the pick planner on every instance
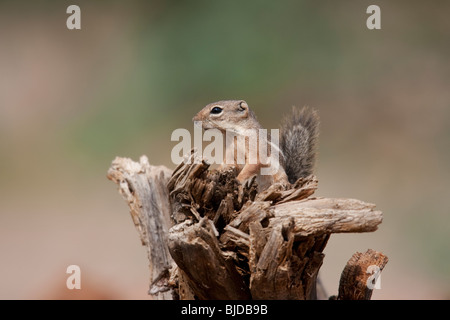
(299, 135)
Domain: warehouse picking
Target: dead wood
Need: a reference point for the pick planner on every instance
(359, 276)
(209, 237)
(144, 188)
(209, 272)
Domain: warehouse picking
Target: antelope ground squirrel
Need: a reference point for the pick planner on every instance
(295, 156)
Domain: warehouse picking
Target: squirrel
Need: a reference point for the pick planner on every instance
(293, 159)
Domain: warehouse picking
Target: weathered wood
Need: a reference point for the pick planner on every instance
(195, 249)
(359, 276)
(230, 242)
(278, 193)
(235, 240)
(276, 274)
(327, 215)
(281, 267)
(144, 188)
(255, 211)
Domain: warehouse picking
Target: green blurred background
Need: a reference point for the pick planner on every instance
(70, 101)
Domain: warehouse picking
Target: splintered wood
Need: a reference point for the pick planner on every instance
(360, 275)
(226, 240)
(144, 189)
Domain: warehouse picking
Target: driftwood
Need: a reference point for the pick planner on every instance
(227, 241)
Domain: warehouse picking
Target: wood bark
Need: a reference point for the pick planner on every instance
(210, 237)
(359, 276)
(144, 188)
(209, 272)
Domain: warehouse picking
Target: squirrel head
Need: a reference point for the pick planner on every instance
(232, 115)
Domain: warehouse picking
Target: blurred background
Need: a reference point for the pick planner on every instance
(73, 100)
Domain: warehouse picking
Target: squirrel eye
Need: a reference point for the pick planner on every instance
(216, 110)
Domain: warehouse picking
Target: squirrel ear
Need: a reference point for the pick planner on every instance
(243, 106)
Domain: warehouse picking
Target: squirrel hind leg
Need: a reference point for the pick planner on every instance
(247, 172)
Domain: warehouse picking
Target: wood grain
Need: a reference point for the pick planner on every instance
(210, 237)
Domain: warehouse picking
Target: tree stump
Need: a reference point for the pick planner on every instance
(209, 237)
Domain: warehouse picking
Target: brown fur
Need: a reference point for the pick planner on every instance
(297, 141)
